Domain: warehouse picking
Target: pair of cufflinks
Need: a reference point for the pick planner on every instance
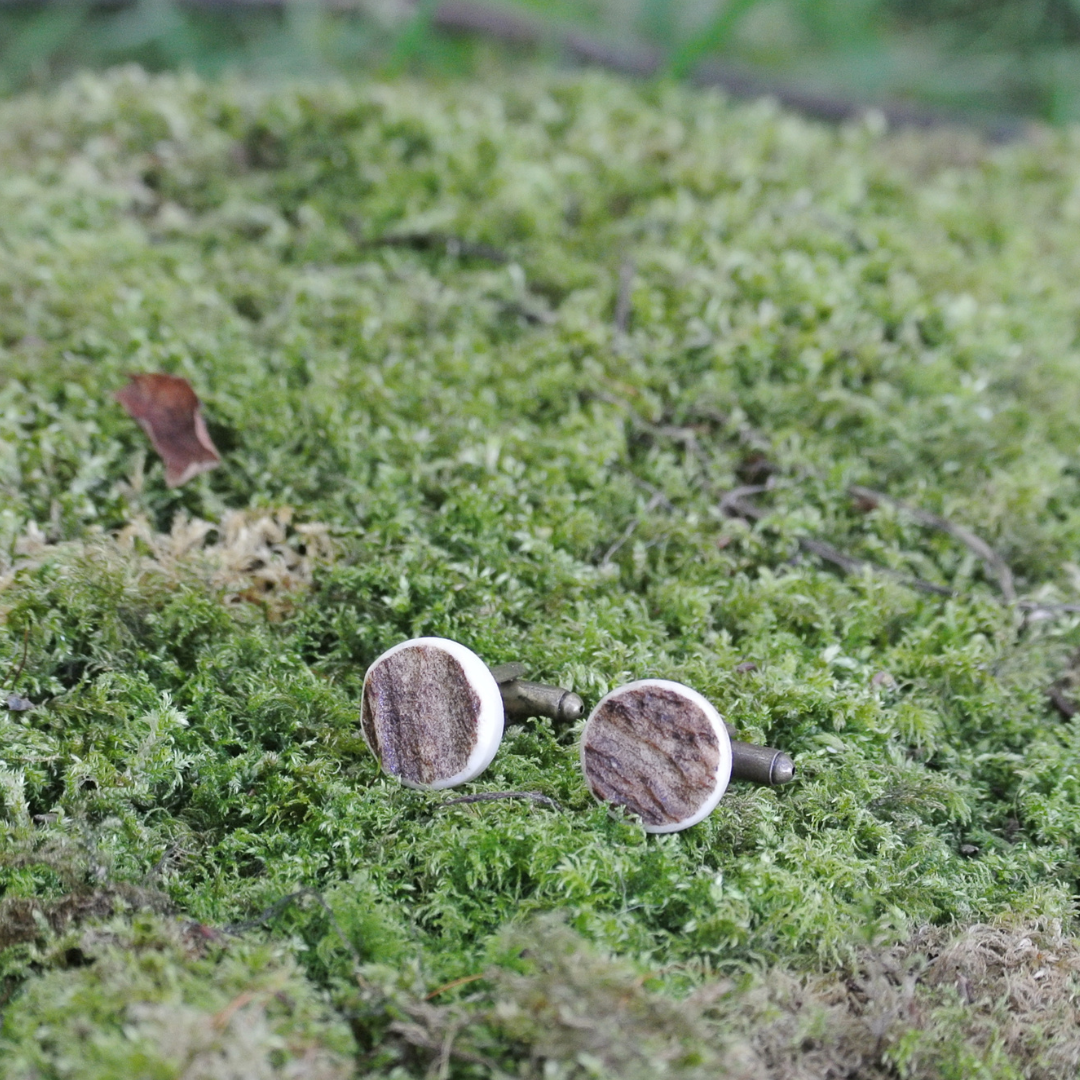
(433, 713)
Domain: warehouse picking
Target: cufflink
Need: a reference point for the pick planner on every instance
(662, 751)
(433, 713)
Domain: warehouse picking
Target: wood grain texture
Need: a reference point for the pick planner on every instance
(653, 751)
(420, 714)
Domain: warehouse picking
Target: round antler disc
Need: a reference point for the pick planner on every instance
(659, 749)
(431, 713)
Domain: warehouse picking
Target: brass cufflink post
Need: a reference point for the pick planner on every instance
(759, 764)
(522, 699)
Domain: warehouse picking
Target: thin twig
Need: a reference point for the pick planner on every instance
(454, 983)
(454, 246)
(622, 301)
(13, 680)
(736, 506)
(221, 1021)
(994, 562)
(652, 489)
(268, 915)
(652, 504)
(158, 868)
(850, 564)
(534, 316)
(627, 533)
(687, 436)
(274, 910)
(495, 796)
(733, 502)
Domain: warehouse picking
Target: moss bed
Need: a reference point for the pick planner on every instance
(483, 361)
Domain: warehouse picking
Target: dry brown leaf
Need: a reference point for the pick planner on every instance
(167, 409)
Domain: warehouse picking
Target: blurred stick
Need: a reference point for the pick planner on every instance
(454, 246)
(734, 504)
(993, 561)
(13, 679)
(624, 298)
(1057, 697)
(657, 499)
(640, 61)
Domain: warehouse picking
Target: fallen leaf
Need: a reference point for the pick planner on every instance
(167, 409)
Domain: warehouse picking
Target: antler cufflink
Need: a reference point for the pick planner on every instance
(433, 712)
(664, 752)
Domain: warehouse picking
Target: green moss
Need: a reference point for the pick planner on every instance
(149, 1003)
(823, 307)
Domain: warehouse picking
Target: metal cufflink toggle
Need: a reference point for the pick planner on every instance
(523, 699)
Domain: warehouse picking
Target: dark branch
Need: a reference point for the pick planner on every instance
(638, 61)
(454, 246)
(13, 678)
(1064, 705)
(994, 562)
(735, 505)
(641, 61)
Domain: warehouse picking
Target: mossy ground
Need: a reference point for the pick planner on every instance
(496, 461)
